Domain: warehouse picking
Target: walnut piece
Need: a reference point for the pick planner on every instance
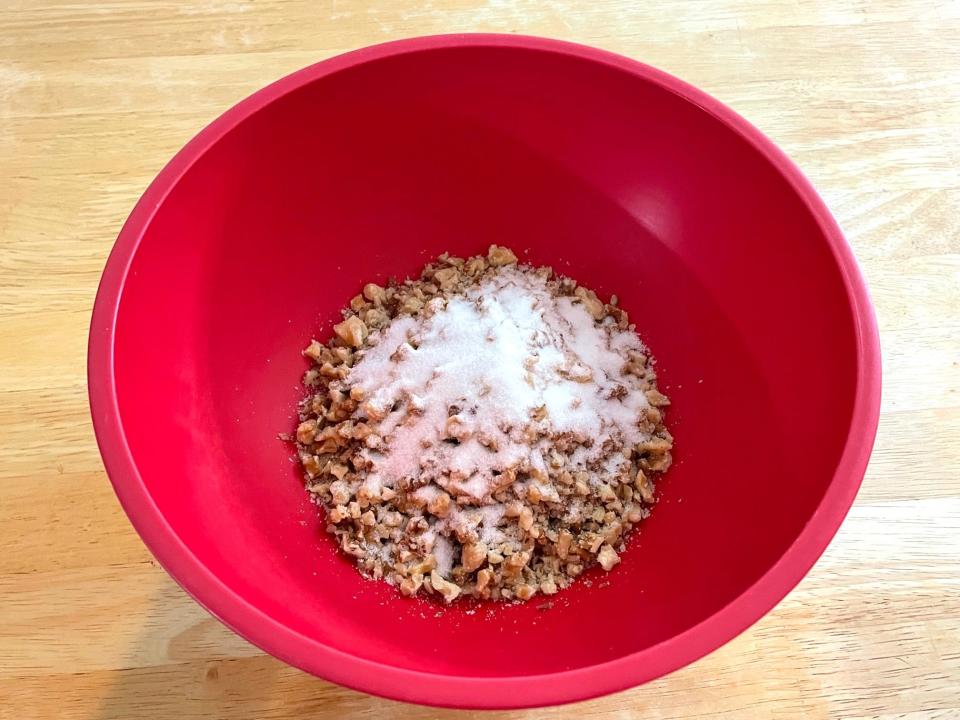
(607, 557)
(500, 256)
(473, 556)
(449, 590)
(352, 331)
(374, 293)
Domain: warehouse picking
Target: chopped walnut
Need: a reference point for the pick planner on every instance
(306, 432)
(526, 519)
(607, 557)
(474, 266)
(525, 592)
(591, 302)
(449, 590)
(483, 579)
(375, 318)
(553, 516)
(411, 305)
(515, 563)
(473, 556)
(439, 505)
(447, 278)
(644, 487)
(500, 256)
(657, 398)
(458, 428)
(409, 586)
(375, 294)
(352, 331)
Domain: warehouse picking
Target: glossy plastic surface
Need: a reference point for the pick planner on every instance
(367, 165)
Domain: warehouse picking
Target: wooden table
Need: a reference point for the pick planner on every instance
(95, 97)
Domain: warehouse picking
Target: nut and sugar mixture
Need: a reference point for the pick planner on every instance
(488, 430)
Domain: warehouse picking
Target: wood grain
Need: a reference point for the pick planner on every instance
(95, 97)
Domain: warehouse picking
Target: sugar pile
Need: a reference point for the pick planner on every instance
(487, 381)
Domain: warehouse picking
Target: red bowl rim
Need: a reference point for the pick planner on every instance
(447, 690)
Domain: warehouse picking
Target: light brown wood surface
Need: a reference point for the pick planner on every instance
(95, 97)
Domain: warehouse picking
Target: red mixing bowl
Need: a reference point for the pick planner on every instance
(367, 165)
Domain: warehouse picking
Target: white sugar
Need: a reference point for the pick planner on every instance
(443, 553)
(428, 492)
(490, 518)
(492, 357)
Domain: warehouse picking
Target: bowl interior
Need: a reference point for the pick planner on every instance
(606, 176)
